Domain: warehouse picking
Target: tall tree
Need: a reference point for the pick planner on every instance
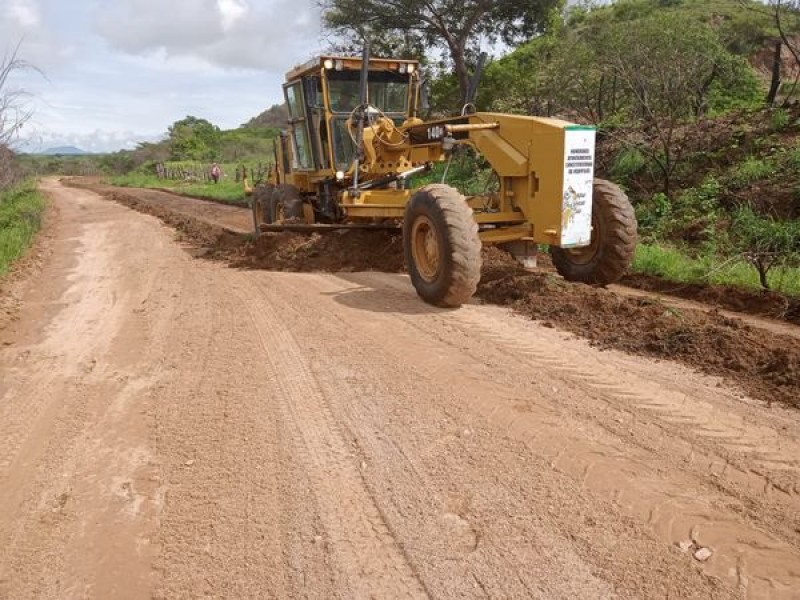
(193, 139)
(454, 26)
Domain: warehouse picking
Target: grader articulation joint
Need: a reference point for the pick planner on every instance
(355, 139)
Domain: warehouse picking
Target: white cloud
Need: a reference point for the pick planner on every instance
(231, 11)
(32, 25)
(25, 13)
(230, 33)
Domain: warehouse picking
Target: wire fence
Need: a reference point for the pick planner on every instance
(202, 172)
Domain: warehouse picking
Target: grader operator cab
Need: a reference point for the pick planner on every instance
(355, 140)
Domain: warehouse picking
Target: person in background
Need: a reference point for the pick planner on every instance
(215, 172)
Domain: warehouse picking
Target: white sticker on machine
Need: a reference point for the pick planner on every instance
(576, 208)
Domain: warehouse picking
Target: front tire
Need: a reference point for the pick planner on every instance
(260, 205)
(613, 242)
(441, 246)
(286, 204)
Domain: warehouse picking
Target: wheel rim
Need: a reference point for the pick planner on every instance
(425, 248)
(585, 254)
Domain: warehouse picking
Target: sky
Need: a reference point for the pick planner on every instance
(118, 72)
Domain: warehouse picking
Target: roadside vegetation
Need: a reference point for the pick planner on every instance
(21, 208)
(673, 264)
(21, 205)
(228, 190)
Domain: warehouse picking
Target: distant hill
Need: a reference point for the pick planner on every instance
(275, 116)
(61, 150)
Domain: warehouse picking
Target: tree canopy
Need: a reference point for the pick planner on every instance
(193, 139)
(454, 26)
(651, 70)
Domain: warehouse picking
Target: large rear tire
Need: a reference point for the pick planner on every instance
(286, 204)
(613, 242)
(441, 246)
(260, 202)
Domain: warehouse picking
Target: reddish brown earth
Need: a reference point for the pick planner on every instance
(762, 356)
(173, 427)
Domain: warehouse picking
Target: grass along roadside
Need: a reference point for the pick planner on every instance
(673, 265)
(21, 208)
(226, 191)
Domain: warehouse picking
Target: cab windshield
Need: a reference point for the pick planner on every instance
(387, 91)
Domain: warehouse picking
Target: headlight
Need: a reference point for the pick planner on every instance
(339, 175)
(328, 64)
(402, 67)
(410, 68)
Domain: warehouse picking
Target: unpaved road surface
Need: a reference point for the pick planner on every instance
(171, 427)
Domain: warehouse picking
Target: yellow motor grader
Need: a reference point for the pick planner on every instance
(355, 141)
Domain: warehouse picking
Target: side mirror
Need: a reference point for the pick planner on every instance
(424, 95)
(474, 82)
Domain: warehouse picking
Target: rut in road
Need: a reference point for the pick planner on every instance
(368, 555)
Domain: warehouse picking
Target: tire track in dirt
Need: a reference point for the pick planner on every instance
(228, 510)
(452, 535)
(776, 458)
(493, 562)
(368, 554)
(769, 461)
(82, 332)
(676, 506)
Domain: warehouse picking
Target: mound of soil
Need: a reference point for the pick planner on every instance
(767, 366)
(343, 251)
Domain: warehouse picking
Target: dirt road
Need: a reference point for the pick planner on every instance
(171, 427)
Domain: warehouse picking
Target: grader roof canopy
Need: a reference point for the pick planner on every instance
(333, 62)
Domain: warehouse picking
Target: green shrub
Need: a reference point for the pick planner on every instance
(627, 162)
(793, 156)
(703, 198)
(751, 170)
(668, 263)
(779, 119)
(699, 208)
(652, 215)
(765, 242)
